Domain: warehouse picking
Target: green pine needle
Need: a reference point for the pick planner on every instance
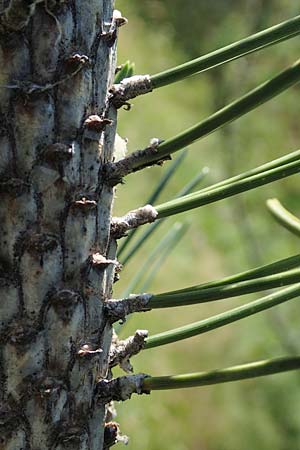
(235, 373)
(224, 116)
(233, 111)
(220, 320)
(281, 265)
(283, 216)
(222, 191)
(126, 71)
(253, 43)
(197, 295)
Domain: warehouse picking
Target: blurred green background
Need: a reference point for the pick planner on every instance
(224, 238)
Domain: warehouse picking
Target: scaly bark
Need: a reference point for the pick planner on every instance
(57, 129)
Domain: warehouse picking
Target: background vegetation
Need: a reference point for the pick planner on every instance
(222, 239)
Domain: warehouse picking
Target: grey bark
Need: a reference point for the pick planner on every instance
(57, 61)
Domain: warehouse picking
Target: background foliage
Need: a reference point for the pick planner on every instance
(224, 238)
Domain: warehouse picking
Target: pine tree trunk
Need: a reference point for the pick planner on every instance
(57, 62)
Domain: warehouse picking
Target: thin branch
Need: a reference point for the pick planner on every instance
(114, 172)
(116, 310)
(130, 88)
(283, 216)
(133, 219)
(122, 350)
(159, 151)
(220, 320)
(120, 389)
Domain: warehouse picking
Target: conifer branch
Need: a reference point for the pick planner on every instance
(122, 350)
(130, 88)
(116, 310)
(114, 172)
(120, 389)
(133, 219)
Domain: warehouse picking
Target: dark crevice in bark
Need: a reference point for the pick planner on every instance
(11, 420)
(11, 138)
(39, 208)
(93, 55)
(74, 16)
(28, 35)
(13, 186)
(62, 222)
(18, 276)
(74, 13)
(8, 169)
